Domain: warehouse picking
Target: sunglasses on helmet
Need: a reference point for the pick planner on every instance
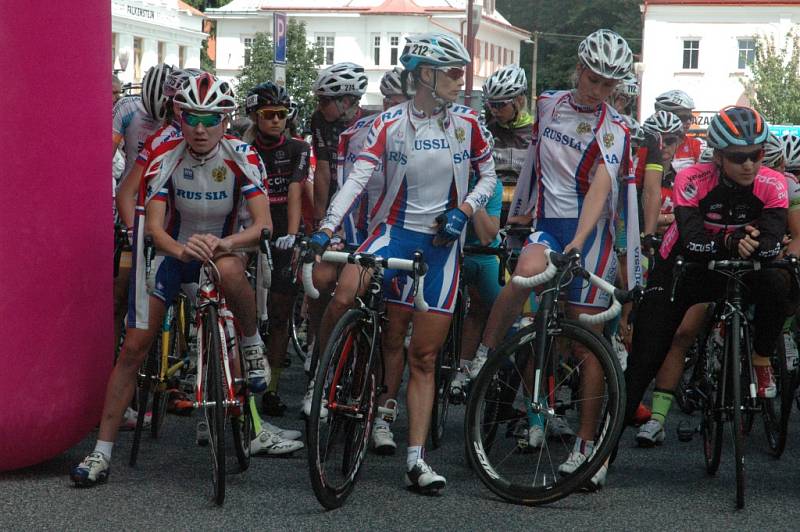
(269, 114)
(739, 157)
(208, 120)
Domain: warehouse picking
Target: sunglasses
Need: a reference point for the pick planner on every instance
(453, 73)
(669, 140)
(270, 114)
(208, 120)
(685, 117)
(500, 104)
(743, 157)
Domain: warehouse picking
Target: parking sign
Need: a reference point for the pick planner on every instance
(279, 33)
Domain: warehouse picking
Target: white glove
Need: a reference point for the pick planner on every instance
(285, 242)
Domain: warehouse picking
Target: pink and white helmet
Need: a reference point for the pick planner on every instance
(206, 93)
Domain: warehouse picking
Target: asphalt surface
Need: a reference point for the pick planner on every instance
(665, 488)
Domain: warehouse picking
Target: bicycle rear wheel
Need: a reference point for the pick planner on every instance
(213, 398)
(298, 326)
(446, 367)
(713, 387)
(511, 463)
(167, 337)
(343, 408)
(148, 375)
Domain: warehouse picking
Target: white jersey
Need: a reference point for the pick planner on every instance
(351, 142)
(134, 125)
(203, 196)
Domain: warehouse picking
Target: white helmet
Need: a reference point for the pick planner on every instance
(637, 133)
(673, 101)
(153, 97)
(706, 156)
(607, 54)
(629, 86)
(391, 84)
(506, 83)
(773, 151)
(663, 122)
(177, 78)
(791, 153)
(435, 50)
(341, 79)
(294, 107)
(206, 93)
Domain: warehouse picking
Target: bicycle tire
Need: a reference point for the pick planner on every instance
(776, 417)
(159, 394)
(713, 387)
(213, 397)
(147, 374)
(298, 327)
(347, 365)
(736, 403)
(242, 424)
(520, 350)
(446, 367)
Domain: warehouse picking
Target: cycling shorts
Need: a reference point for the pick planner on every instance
(597, 254)
(171, 274)
(441, 280)
(481, 272)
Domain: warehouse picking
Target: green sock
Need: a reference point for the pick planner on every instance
(273, 382)
(662, 401)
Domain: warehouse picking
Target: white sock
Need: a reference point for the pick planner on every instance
(415, 453)
(105, 448)
(382, 422)
(482, 351)
(583, 446)
(248, 341)
(464, 363)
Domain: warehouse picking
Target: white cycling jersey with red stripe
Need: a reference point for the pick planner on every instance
(391, 139)
(134, 125)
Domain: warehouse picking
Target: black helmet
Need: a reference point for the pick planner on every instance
(264, 94)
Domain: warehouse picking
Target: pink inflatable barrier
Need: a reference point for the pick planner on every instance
(56, 242)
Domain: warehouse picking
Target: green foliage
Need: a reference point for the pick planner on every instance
(301, 68)
(774, 83)
(572, 20)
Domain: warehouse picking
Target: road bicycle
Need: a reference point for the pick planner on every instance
(557, 377)
(349, 377)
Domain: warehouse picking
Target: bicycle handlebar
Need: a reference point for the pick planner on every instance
(556, 261)
(415, 265)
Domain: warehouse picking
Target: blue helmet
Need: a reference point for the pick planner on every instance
(737, 126)
(435, 50)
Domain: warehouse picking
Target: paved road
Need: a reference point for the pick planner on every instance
(662, 488)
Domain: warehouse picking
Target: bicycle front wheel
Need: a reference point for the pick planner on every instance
(522, 446)
(777, 411)
(298, 326)
(213, 398)
(148, 375)
(445, 371)
(713, 387)
(735, 362)
(343, 408)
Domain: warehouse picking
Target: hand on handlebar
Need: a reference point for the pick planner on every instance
(199, 247)
(316, 246)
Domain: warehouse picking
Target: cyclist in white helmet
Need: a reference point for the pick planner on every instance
(623, 99)
(425, 150)
(579, 151)
(509, 122)
(392, 89)
(196, 186)
(680, 103)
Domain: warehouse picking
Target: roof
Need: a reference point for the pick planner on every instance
(732, 3)
(183, 6)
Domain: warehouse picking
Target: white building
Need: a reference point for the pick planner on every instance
(147, 32)
(368, 32)
(704, 47)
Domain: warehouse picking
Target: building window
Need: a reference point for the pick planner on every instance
(325, 49)
(137, 58)
(691, 53)
(162, 51)
(247, 44)
(747, 52)
(181, 56)
(394, 49)
(376, 49)
(511, 53)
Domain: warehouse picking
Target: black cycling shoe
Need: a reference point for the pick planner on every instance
(271, 405)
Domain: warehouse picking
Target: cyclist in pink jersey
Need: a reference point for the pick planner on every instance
(426, 149)
(733, 207)
(193, 189)
(579, 150)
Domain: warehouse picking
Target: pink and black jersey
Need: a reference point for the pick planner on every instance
(708, 208)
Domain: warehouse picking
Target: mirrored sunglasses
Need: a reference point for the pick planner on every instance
(208, 120)
(270, 114)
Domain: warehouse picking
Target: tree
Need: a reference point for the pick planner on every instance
(774, 83)
(301, 70)
(562, 26)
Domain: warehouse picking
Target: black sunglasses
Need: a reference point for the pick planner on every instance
(669, 140)
(742, 157)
